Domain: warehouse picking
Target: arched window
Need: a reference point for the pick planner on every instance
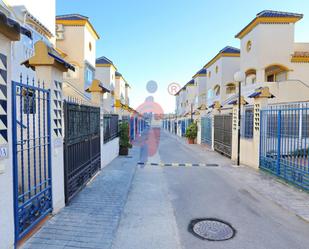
(250, 76)
(276, 73)
(217, 90)
(230, 88)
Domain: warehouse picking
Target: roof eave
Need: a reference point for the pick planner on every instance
(258, 20)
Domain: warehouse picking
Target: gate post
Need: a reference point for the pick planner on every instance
(97, 91)
(49, 69)
(8, 33)
(234, 132)
(260, 102)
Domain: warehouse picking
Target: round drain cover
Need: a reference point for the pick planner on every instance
(212, 229)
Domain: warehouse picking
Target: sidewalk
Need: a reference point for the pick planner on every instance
(92, 218)
(289, 197)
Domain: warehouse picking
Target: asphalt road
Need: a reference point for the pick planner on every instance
(164, 200)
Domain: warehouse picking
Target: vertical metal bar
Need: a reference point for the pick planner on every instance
(279, 142)
(21, 137)
(28, 140)
(49, 143)
(39, 136)
(34, 138)
(45, 96)
(15, 163)
(261, 145)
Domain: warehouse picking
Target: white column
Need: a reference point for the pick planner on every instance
(52, 78)
(6, 157)
(259, 104)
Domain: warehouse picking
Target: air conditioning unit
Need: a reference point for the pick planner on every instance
(59, 27)
(60, 36)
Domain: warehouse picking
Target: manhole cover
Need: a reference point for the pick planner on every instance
(212, 229)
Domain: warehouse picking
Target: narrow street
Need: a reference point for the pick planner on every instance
(150, 206)
(164, 200)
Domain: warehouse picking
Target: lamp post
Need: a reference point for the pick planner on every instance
(239, 77)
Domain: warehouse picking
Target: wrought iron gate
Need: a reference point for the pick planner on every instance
(223, 134)
(206, 130)
(284, 144)
(31, 156)
(82, 150)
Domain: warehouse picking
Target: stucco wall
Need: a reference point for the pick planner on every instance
(109, 152)
(44, 11)
(6, 172)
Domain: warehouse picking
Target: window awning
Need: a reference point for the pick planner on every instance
(262, 92)
(10, 28)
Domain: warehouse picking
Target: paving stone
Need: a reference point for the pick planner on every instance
(92, 218)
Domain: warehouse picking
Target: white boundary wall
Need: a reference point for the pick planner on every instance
(109, 152)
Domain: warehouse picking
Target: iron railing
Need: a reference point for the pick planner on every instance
(81, 146)
(284, 148)
(223, 134)
(111, 127)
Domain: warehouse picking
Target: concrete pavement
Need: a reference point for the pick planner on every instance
(92, 218)
(207, 192)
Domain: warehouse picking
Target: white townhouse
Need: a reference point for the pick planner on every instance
(220, 76)
(200, 81)
(121, 95)
(76, 42)
(118, 101)
(106, 73)
(271, 58)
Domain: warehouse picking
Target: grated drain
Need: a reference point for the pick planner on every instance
(212, 229)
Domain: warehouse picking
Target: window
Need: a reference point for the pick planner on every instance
(250, 77)
(90, 46)
(276, 73)
(271, 78)
(210, 93)
(29, 101)
(230, 88)
(217, 69)
(248, 118)
(209, 74)
(249, 46)
(217, 90)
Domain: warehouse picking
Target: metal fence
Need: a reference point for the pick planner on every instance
(111, 127)
(81, 146)
(223, 134)
(206, 130)
(31, 155)
(284, 148)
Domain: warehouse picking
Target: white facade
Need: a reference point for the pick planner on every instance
(81, 55)
(106, 74)
(269, 54)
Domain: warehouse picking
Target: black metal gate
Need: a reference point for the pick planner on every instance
(81, 146)
(223, 134)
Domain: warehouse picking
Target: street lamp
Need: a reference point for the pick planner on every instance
(239, 77)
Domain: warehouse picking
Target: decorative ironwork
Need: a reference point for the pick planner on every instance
(284, 143)
(81, 146)
(31, 155)
(223, 134)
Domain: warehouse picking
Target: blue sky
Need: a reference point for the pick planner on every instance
(168, 40)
